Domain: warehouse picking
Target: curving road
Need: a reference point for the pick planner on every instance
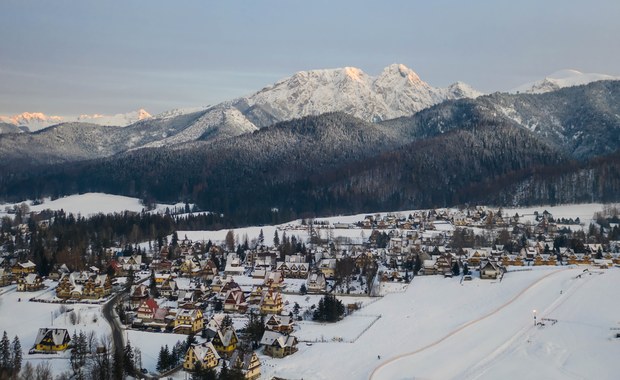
(461, 328)
(110, 315)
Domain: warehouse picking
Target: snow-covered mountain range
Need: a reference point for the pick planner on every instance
(397, 91)
(35, 121)
(561, 79)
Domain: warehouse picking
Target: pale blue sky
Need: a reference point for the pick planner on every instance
(69, 57)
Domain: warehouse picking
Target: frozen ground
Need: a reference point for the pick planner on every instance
(442, 329)
(89, 204)
(20, 317)
(428, 331)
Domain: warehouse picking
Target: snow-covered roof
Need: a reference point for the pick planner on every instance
(59, 336)
(271, 338)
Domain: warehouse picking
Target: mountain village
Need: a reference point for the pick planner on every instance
(239, 301)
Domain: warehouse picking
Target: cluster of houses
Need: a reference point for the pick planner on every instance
(84, 285)
(165, 303)
(24, 274)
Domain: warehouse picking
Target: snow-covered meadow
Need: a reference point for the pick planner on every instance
(443, 329)
(19, 316)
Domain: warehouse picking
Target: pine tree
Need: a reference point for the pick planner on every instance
(17, 355)
(118, 370)
(5, 354)
(276, 239)
(161, 360)
(128, 363)
(227, 321)
(191, 339)
(456, 270)
(261, 237)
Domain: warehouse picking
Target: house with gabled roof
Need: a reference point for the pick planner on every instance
(202, 355)
(278, 345)
(274, 280)
(247, 362)
(234, 266)
(29, 283)
(146, 310)
(490, 270)
(190, 267)
(316, 282)
(188, 321)
(169, 288)
(234, 301)
(6, 277)
(280, 323)
(97, 286)
(52, 340)
(271, 302)
(22, 269)
(129, 263)
(225, 341)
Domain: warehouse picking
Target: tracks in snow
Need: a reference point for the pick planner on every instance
(391, 361)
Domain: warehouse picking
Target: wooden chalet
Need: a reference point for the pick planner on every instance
(274, 280)
(271, 302)
(490, 270)
(247, 362)
(52, 340)
(147, 309)
(202, 356)
(138, 294)
(225, 341)
(169, 288)
(278, 345)
(316, 283)
(280, 323)
(188, 322)
(6, 277)
(234, 301)
(22, 269)
(29, 283)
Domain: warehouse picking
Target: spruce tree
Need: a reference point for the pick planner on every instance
(276, 239)
(17, 355)
(118, 370)
(5, 354)
(128, 363)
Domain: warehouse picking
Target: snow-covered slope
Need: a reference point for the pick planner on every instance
(561, 79)
(397, 91)
(35, 121)
(120, 119)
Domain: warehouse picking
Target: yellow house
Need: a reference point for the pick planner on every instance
(29, 283)
(278, 345)
(225, 341)
(271, 303)
(188, 321)
(248, 363)
(204, 355)
(22, 269)
(52, 340)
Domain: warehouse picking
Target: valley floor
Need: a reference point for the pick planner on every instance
(444, 329)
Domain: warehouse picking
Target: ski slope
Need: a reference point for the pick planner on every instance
(444, 329)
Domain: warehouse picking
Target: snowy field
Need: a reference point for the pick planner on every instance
(584, 212)
(150, 343)
(427, 331)
(89, 204)
(20, 317)
(430, 331)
